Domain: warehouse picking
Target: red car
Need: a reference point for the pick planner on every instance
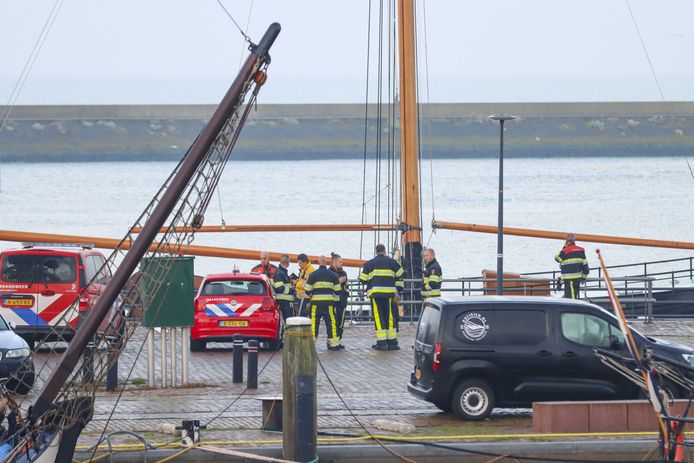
(236, 303)
(39, 283)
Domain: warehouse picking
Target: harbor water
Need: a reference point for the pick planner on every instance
(645, 197)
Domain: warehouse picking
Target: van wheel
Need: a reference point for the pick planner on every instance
(473, 400)
(197, 345)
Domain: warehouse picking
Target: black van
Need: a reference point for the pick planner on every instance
(476, 353)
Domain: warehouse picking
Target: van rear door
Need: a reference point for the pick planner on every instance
(18, 290)
(425, 344)
(58, 290)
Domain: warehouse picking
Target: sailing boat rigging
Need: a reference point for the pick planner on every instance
(65, 404)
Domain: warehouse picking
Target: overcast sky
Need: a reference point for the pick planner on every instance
(188, 51)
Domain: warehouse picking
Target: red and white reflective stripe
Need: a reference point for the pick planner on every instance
(251, 310)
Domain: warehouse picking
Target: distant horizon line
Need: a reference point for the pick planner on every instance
(351, 110)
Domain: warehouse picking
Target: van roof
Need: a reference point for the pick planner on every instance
(449, 300)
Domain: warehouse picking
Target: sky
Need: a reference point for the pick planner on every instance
(188, 51)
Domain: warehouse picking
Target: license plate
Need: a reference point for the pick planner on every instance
(19, 302)
(233, 323)
(418, 373)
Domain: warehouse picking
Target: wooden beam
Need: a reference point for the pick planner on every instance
(284, 228)
(559, 235)
(109, 243)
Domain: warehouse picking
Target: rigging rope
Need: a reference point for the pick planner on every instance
(31, 60)
(645, 51)
(366, 131)
(246, 37)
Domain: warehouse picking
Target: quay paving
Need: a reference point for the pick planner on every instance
(372, 384)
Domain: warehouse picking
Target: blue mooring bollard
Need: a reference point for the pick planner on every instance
(237, 367)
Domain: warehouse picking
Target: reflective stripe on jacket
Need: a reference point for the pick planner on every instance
(382, 276)
(284, 291)
(304, 274)
(432, 279)
(573, 262)
(323, 285)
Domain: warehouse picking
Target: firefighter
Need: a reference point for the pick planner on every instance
(574, 266)
(432, 277)
(323, 286)
(383, 278)
(305, 270)
(284, 288)
(342, 295)
(265, 267)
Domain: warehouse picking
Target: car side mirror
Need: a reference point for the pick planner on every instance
(615, 343)
(13, 325)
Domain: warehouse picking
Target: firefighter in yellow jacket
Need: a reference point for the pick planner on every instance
(383, 278)
(305, 271)
(322, 286)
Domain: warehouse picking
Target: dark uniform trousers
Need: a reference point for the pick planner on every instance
(571, 288)
(325, 310)
(386, 318)
(340, 313)
(286, 308)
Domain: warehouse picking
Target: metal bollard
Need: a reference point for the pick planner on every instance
(88, 363)
(237, 370)
(112, 374)
(253, 364)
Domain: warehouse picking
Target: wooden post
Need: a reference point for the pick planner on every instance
(299, 391)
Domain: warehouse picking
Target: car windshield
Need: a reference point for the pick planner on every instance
(3, 325)
(234, 288)
(36, 268)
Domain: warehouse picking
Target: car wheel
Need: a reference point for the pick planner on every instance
(22, 385)
(473, 400)
(197, 345)
(274, 344)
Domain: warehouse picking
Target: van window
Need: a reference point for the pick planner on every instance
(490, 327)
(90, 268)
(588, 330)
(234, 288)
(428, 325)
(34, 268)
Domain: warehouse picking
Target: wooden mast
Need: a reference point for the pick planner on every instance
(409, 146)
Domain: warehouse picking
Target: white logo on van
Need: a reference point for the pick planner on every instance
(474, 326)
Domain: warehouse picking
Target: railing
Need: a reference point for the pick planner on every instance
(635, 293)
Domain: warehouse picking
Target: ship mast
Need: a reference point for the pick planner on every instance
(409, 146)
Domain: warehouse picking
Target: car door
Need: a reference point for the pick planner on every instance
(525, 352)
(18, 290)
(582, 376)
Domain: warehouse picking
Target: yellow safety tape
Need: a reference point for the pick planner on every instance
(402, 438)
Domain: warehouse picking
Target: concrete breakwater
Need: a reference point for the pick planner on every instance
(314, 131)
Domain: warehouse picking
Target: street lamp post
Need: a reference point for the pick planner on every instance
(500, 227)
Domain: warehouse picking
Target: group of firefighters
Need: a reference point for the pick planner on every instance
(322, 293)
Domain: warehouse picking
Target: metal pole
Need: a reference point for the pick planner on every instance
(500, 226)
(173, 332)
(185, 346)
(150, 357)
(237, 366)
(162, 339)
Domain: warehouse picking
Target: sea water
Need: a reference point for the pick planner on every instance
(644, 197)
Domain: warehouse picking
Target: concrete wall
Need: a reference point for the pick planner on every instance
(684, 108)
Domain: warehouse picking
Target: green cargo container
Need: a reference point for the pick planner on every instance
(171, 304)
